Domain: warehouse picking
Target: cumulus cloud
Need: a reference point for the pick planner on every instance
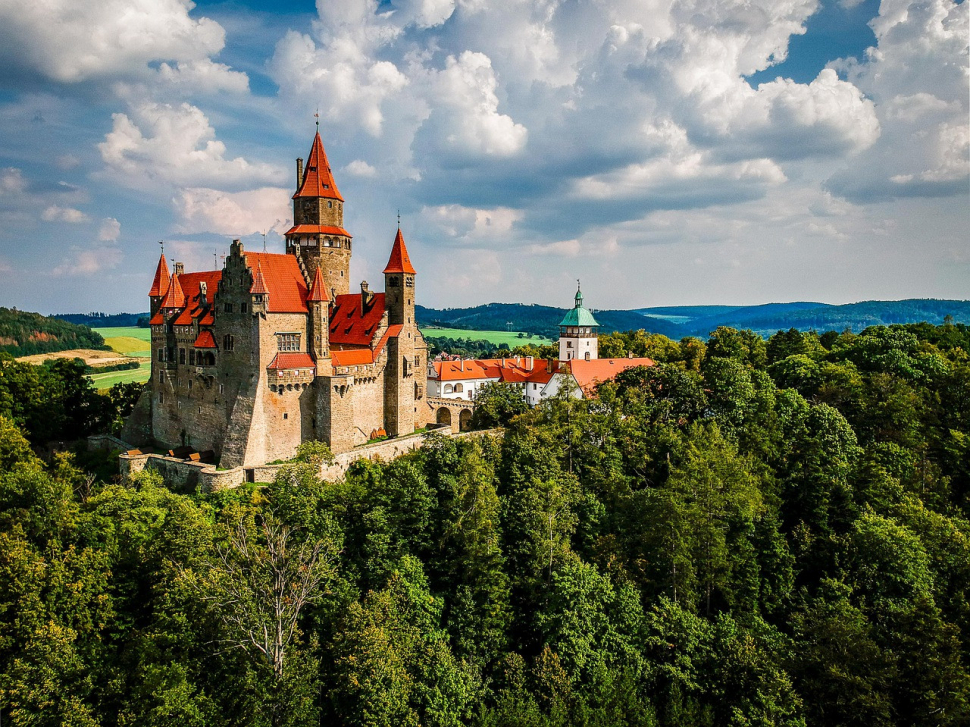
(88, 261)
(72, 216)
(917, 76)
(12, 181)
(70, 42)
(467, 223)
(175, 144)
(360, 168)
(239, 213)
(110, 230)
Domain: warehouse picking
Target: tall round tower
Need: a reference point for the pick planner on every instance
(318, 237)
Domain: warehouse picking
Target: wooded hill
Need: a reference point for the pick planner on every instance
(24, 334)
(678, 321)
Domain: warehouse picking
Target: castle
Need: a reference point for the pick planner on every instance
(274, 350)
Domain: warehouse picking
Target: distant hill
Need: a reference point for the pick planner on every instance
(539, 319)
(679, 321)
(25, 334)
(104, 320)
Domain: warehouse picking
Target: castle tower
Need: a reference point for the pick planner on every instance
(400, 381)
(578, 333)
(318, 238)
(159, 285)
(319, 304)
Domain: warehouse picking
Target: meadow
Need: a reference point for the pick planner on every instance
(131, 341)
(510, 338)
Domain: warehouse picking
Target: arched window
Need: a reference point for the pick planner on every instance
(449, 389)
(587, 355)
(459, 388)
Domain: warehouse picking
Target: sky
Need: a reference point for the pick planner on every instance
(665, 152)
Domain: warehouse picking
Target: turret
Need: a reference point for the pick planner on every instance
(578, 332)
(259, 292)
(399, 284)
(319, 304)
(317, 237)
(159, 285)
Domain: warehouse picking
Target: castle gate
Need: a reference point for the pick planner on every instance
(456, 413)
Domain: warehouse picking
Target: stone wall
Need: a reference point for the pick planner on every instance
(187, 476)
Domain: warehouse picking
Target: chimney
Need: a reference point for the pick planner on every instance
(629, 354)
(299, 172)
(365, 294)
(549, 369)
(203, 291)
(462, 364)
(179, 268)
(529, 362)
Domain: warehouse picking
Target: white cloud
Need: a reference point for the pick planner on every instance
(88, 261)
(177, 145)
(12, 181)
(203, 75)
(468, 223)
(110, 230)
(53, 213)
(239, 213)
(360, 168)
(66, 162)
(69, 42)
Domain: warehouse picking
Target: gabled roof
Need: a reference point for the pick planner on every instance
(292, 361)
(318, 289)
(205, 339)
(590, 373)
(191, 284)
(399, 261)
(317, 177)
(352, 325)
(174, 297)
(259, 285)
(160, 284)
(282, 279)
(317, 230)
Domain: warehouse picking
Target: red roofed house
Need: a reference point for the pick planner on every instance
(579, 367)
(274, 350)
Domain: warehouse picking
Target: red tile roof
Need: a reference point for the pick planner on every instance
(205, 339)
(352, 357)
(191, 284)
(464, 370)
(283, 280)
(317, 230)
(292, 361)
(157, 319)
(174, 297)
(318, 290)
(590, 373)
(317, 177)
(160, 284)
(259, 285)
(350, 325)
(399, 261)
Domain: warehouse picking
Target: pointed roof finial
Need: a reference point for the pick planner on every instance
(579, 294)
(400, 261)
(317, 117)
(399, 218)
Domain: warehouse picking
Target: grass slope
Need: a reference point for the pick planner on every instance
(511, 338)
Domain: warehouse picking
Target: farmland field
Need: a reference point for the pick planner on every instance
(511, 338)
(109, 379)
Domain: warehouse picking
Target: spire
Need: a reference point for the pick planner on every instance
(174, 297)
(259, 285)
(317, 177)
(579, 295)
(160, 284)
(399, 261)
(318, 289)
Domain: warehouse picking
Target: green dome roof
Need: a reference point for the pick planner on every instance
(578, 316)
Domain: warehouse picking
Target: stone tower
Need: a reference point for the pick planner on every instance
(400, 380)
(159, 285)
(318, 237)
(578, 333)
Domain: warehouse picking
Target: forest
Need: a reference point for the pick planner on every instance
(25, 334)
(748, 533)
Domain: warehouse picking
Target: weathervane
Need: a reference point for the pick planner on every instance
(317, 117)
(162, 243)
(399, 218)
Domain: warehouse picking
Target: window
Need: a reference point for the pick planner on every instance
(449, 389)
(330, 205)
(459, 388)
(228, 308)
(286, 415)
(161, 354)
(569, 344)
(587, 355)
(227, 343)
(192, 357)
(288, 341)
(243, 307)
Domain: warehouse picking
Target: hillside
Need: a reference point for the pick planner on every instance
(25, 334)
(105, 320)
(676, 322)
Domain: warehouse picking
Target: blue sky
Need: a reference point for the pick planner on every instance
(666, 152)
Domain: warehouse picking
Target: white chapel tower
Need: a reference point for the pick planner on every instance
(578, 333)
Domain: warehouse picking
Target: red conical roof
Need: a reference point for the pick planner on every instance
(174, 297)
(259, 285)
(399, 261)
(318, 290)
(317, 177)
(160, 284)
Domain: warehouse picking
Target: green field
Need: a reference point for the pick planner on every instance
(107, 380)
(511, 338)
(144, 334)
